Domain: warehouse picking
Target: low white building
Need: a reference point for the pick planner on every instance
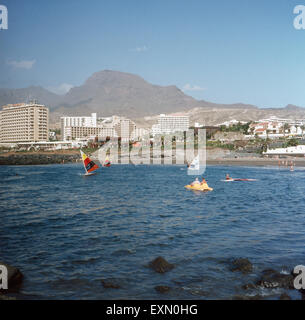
(230, 123)
(51, 145)
(277, 127)
(294, 151)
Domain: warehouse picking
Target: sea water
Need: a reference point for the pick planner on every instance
(66, 232)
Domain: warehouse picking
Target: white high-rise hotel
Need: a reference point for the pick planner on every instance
(171, 123)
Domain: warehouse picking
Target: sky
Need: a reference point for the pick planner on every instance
(224, 51)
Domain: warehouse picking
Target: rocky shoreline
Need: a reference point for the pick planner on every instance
(72, 157)
(265, 279)
(38, 159)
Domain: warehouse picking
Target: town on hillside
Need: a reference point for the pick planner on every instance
(25, 127)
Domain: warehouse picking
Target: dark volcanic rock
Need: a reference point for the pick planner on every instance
(243, 265)
(36, 159)
(256, 297)
(274, 279)
(108, 284)
(162, 289)
(3, 297)
(249, 286)
(285, 296)
(161, 265)
(15, 277)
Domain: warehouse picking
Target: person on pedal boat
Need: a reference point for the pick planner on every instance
(195, 182)
(204, 184)
(228, 177)
(203, 181)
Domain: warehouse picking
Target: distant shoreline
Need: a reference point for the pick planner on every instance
(38, 158)
(257, 162)
(73, 157)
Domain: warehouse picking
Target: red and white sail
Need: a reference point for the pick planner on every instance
(89, 165)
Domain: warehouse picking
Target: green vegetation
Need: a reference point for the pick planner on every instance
(239, 127)
(219, 144)
(293, 142)
(89, 150)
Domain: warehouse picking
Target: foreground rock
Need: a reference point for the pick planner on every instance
(108, 284)
(242, 265)
(160, 265)
(256, 297)
(15, 277)
(274, 279)
(162, 289)
(3, 297)
(285, 296)
(249, 286)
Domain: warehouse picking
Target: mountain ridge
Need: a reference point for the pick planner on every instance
(110, 92)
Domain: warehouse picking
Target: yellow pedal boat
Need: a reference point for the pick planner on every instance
(199, 187)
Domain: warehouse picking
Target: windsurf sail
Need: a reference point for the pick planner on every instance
(107, 162)
(194, 166)
(89, 165)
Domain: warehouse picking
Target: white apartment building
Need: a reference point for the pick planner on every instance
(90, 127)
(24, 122)
(155, 129)
(124, 129)
(67, 123)
(168, 124)
(107, 131)
(138, 133)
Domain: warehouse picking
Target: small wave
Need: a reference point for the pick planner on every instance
(12, 178)
(84, 261)
(123, 252)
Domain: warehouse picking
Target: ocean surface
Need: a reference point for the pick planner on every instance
(67, 232)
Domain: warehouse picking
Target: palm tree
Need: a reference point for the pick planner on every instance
(267, 134)
(302, 128)
(285, 127)
(252, 130)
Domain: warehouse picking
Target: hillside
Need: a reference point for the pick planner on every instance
(112, 92)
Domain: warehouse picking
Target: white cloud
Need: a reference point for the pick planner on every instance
(61, 89)
(139, 49)
(188, 87)
(23, 64)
